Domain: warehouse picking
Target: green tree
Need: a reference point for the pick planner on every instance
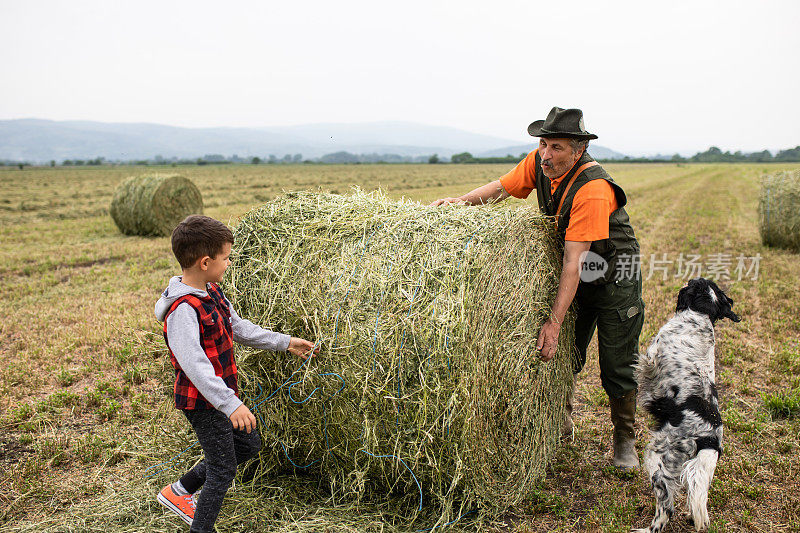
(433, 159)
(790, 154)
(256, 161)
(464, 157)
(760, 157)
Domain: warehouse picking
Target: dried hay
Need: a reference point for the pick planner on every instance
(779, 210)
(153, 204)
(427, 387)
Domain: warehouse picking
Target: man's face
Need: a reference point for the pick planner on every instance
(557, 156)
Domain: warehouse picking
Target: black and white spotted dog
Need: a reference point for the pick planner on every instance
(676, 386)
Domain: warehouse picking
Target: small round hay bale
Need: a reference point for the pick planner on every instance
(427, 385)
(153, 204)
(779, 210)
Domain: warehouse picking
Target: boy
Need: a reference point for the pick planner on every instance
(200, 326)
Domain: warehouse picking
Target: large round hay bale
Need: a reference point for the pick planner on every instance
(153, 204)
(779, 210)
(427, 385)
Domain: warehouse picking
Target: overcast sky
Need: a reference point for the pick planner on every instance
(666, 77)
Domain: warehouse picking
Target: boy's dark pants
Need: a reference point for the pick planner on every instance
(225, 448)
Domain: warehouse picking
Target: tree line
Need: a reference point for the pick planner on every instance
(715, 155)
(712, 155)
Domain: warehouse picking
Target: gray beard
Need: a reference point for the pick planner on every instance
(550, 173)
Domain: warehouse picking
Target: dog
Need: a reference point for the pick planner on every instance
(676, 386)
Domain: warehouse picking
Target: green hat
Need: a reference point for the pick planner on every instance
(561, 123)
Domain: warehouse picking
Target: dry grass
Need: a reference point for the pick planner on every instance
(81, 396)
(779, 210)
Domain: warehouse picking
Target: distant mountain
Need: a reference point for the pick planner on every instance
(42, 140)
(38, 140)
(372, 135)
(598, 152)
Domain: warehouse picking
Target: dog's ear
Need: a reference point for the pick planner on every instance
(689, 295)
(724, 304)
(686, 296)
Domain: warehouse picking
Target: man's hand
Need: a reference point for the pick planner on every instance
(485, 194)
(567, 286)
(302, 348)
(445, 201)
(548, 340)
(242, 418)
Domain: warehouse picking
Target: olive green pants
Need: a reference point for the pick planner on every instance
(616, 310)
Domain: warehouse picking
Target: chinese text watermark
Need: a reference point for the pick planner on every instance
(716, 266)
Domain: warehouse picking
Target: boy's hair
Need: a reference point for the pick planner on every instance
(199, 236)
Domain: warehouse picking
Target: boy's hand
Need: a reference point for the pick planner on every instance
(302, 348)
(242, 418)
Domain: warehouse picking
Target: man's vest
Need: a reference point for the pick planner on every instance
(621, 241)
(216, 339)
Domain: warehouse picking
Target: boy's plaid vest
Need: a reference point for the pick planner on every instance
(216, 338)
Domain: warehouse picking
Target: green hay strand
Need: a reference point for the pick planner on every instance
(153, 204)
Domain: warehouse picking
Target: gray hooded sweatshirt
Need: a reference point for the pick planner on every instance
(183, 332)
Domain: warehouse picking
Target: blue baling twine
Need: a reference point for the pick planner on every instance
(315, 389)
(419, 487)
(293, 463)
(402, 343)
(288, 381)
(170, 461)
(255, 410)
(378, 316)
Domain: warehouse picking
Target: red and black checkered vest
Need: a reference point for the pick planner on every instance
(216, 338)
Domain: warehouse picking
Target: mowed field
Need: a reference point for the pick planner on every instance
(84, 384)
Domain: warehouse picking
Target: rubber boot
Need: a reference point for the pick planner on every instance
(568, 428)
(623, 411)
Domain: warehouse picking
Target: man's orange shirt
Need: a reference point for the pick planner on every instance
(591, 207)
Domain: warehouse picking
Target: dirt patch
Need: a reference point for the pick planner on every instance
(35, 269)
(12, 451)
(90, 263)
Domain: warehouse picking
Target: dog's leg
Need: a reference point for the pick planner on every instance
(697, 474)
(652, 463)
(663, 484)
(664, 469)
(664, 490)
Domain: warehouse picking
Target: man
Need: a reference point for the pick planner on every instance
(600, 265)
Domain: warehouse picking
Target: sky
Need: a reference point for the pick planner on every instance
(650, 77)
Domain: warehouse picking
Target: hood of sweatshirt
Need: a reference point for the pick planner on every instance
(174, 290)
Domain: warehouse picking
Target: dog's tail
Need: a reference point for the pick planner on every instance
(646, 368)
(697, 474)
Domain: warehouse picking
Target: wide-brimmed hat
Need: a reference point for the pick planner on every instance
(561, 123)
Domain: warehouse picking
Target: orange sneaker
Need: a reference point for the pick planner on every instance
(182, 506)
